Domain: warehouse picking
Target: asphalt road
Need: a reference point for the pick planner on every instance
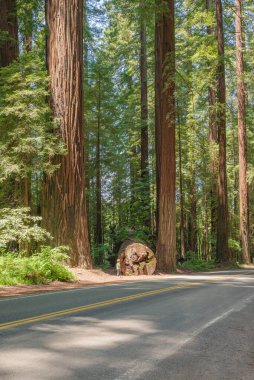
(179, 328)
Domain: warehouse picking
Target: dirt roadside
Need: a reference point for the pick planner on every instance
(86, 278)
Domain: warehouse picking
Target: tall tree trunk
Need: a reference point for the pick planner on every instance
(165, 134)
(158, 94)
(64, 203)
(86, 120)
(242, 138)
(213, 140)
(9, 50)
(182, 224)
(98, 231)
(222, 223)
(144, 124)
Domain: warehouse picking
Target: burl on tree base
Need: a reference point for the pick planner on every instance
(136, 259)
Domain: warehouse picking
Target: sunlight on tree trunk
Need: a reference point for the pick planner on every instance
(64, 203)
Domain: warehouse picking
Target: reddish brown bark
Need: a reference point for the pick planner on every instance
(158, 94)
(165, 136)
(64, 204)
(144, 148)
(86, 120)
(242, 138)
(9, 50)
(222, 222)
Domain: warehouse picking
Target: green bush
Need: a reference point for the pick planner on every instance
(17, 226)
(40, 268)
(199, 265)
(234, 250)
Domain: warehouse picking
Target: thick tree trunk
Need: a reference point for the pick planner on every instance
(242, 138)
(86, 120)
(222, 223)
(158, 94)
(165, 135)
(9, 50)
(64, 203)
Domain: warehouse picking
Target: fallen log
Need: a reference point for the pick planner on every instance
(136, 259)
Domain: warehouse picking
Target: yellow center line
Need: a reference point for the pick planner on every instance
(42, 317)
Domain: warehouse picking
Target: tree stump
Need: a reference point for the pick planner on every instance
(136, 259)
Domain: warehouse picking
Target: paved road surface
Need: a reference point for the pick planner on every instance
(179, 328)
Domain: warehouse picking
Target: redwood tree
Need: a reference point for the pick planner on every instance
(9, 32)
(64, 204)
(165, 135)
(222, 222)
(242, 139)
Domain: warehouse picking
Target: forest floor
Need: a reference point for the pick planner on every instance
(86, 278)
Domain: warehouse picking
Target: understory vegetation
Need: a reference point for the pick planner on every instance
(24, 259)
(199, 265)
(42, 267)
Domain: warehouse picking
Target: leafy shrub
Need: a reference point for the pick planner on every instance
(199, 265)
(40, 268)
(18, 226)
(234, 250)
(234, 245)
